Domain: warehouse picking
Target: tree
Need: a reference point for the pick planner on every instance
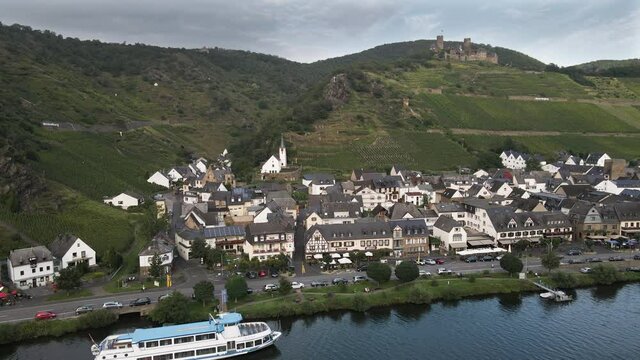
(198, 249)
(172, 310)
(550, 261)
(155, 266)
(407, 271)
(203, 292)
(236, 287)
(112, 259)
(285, 286)
(521, 245)
(589, 244)
(532, 164)
(68, 279)
(511, 264)
(379, 272)
(605, 274)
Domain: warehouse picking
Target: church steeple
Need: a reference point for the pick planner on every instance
(282, 153)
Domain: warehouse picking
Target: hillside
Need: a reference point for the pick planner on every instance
(128, 110)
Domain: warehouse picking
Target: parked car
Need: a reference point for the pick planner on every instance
(633, 269)
(162, 297)
(337, 281)
(359, 278)
(421, 262)
(499, 257)
(586, 270)
(84, 309)
(423, 273)
(430, 261)
(297, 285)
(112, 305)
(319, 283)
(249, 291)
(140, 301)
(636, 257)
(471, 259)
(593, 260)
(271, 287)
(251, 275)
(616, 258)
(487, 258)
(362, 268)
(575, 261)
(574, 252)
(44, 315)
(439, 261)
(275, 274)
(444, 271)
(262, 273)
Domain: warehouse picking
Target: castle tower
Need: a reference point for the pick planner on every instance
(282, 153)
(439, 42)
(466, 46)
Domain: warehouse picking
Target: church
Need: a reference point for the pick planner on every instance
(275, 164)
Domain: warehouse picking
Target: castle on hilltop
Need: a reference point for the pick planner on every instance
(466, 52)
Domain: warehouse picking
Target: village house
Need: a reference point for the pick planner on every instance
(595, 221)
(451, 233)
(333, 213)
(69, 250)
(617, 186)
(227, 238)
(410, 237)
(269, 239)
(370, 198)
(30, 267)
(629, 217)
(161, 247)
(341, 238)
(125, 200)
(160, 178)
(597, 159)
(514, 160)
(180, 173)
(197, 219)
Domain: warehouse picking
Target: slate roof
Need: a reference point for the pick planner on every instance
(450, 193)
(501, 217)
(573, 191)
(411, 227)
(222, 231)
(449, 207)
(267, 228)
(319, 178)
(21, 256)
(62, 244)
(399, 210)
(160, 244)
(355, 231)
(524, 204)
(446, 223)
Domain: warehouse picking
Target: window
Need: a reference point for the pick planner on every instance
(183, 354)
(249, 344)
(75, 254)
(145, 358)
(151, 344)
(21, 272)
(42, 269)
(165, 342)
(48, 267)
(163, 357)
(240, 346)
(222, 348)
(182, 340)
(83, 253)
(33, 271)
(205, 336)
(206, 351)
(258, 342)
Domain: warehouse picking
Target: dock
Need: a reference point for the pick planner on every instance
(558, 295)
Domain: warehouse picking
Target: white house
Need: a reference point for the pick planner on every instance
(480, 174)
(125, 200)
(160, 246)
(617, 186)
(318, 183)
(597, 159)
(179, 173)
(160, 178)
(514, 160)
(275, 164)
(451, 233)
(70, 250)
(30, 267)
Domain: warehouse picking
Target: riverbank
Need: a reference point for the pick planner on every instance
(326, 299)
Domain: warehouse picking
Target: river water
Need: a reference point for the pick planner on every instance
(602, 323)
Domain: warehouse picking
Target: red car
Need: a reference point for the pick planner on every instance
(262, 273)
(439, 261)
(44, 315)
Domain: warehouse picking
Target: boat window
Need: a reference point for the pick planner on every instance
(266, 339)
(249, 344)
(240, 346)
(141, 345)
(151, 344)
(163, 357)
(206, 336)
(183, 354)
(258, 342)
(144, 358)
(182, 340)
(222, 348)
(165, 342)
(206, 351)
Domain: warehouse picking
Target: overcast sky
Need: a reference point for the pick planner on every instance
(565, 32)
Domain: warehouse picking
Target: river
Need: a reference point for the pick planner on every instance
(602, 323)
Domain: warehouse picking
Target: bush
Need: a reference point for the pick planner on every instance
(605, 274)
(434, 283)
(236, 287)
(285, 286)
(407, 271)
(379, 272)
(511, 264)
(472, 278)
(564, 280)
(417, 295)
(360, 302)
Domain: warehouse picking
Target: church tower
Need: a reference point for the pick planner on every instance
(282, 153)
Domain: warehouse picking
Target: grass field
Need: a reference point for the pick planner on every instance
(9, 241)
(633, 84)
(501, 114)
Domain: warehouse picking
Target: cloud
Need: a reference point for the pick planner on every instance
(563, 32)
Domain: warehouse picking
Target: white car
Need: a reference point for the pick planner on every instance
(429, 261)
(424, 273)
(586, 270)
(421, 262)
(297, 285)
(112, 305)
(444, 271)
(359, 278)
(271, 287)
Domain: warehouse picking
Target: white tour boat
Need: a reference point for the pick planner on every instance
(221, 337)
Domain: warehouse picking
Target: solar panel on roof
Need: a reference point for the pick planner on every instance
(224, 231)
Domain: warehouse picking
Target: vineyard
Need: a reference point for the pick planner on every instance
(383, 151)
